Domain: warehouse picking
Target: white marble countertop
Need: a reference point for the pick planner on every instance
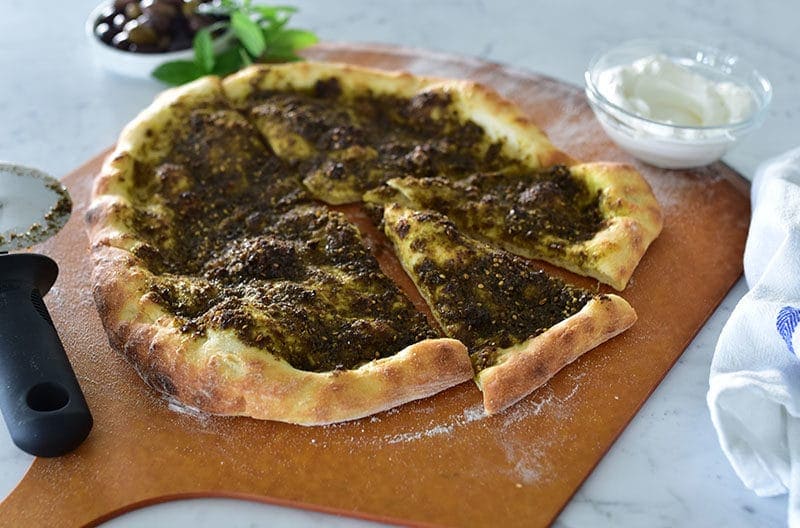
(58, 108)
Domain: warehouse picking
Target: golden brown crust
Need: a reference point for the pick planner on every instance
(633, 220)
(219, 374)
(632, 217)
(525, 367)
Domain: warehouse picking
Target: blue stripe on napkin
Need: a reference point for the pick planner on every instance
(786, 323)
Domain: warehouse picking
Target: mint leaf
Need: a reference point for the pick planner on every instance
(178, 72)
(246, 60)
(229, 61)
(294, 39)
(204, 50)
(249, 33)
(282, 45)
(261, 36)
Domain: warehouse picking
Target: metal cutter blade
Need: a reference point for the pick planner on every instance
(33, 206)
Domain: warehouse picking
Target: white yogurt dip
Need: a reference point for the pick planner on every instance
(656, 88)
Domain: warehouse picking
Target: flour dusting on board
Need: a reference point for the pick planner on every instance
(671, 189)
(524, 445)
(470, 414)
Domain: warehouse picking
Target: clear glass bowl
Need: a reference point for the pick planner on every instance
(667, 145)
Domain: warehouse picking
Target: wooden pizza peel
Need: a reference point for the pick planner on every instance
(437, 461)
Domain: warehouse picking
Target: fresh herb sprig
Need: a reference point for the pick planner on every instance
(259, 35)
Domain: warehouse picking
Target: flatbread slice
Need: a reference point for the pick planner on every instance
(520, 325)
(594, 219)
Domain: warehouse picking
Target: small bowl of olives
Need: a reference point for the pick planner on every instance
(133, 37)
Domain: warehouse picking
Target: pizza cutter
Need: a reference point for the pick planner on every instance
(41, 401)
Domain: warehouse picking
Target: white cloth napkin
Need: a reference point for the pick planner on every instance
(754, 386)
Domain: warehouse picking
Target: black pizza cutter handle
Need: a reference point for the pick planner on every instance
(41, 401)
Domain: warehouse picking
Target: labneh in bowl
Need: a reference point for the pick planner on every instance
(665, 144)
(133, 63)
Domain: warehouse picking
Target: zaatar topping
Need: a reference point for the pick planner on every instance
(229, 225)
(353, 144)
(246, 250)
(548, 209)
(489, 299)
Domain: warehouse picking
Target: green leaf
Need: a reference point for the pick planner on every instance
(294, 38)
(229, 61)
(178, 72)
(282, 45)
(204, 50)
(249, 33)
(246, 60)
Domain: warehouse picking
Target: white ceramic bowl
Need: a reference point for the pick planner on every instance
(132, 64)
(667, 145)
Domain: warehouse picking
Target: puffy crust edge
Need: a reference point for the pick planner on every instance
(219, 374)
(525, 367)
(633, 221)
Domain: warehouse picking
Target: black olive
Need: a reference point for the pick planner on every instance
(145, 48)
(180, 43)
(130, 24)
(181, 34)
(198, 22)
(104, 32)
(106, 15)
(118, 21)
(164, 42)
(121, 40)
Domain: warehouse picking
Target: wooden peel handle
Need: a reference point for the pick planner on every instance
(41, 401)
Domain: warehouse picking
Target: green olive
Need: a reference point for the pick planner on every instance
(133, 10)
(189, 7)
(162, 14)
(120, 5)
(140, 32)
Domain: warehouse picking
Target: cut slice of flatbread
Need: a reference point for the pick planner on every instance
(594, 219)
(520, 325)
